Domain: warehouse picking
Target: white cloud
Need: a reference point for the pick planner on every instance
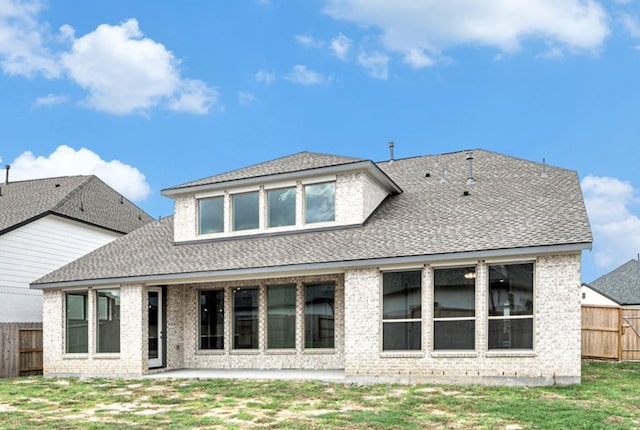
(340, 46)
(265, 77)
(66, 161)
(50, 100)
(23, 49)
(303, 76)
(246, 98)
(417, 59)
(435, 25)
(616, 229)
(376, 63)
(552, 53)
(309, 41)
(631, 24)
(125, 72)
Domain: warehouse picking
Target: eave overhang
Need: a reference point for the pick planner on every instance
(315, 268)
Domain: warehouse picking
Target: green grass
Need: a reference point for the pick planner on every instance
(609, 398)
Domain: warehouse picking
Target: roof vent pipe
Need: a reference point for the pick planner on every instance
(7, 177)
(544, 168)
(470, 179)
(391, 145)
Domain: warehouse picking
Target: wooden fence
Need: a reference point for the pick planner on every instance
(20, 349)
(611, 333)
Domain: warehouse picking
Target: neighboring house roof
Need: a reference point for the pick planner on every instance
(513, 203)
(82, 198)
(621, 285)
(292, 163)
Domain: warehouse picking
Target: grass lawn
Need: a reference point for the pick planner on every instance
(609, 398)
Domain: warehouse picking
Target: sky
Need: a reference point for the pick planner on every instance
(152, 94)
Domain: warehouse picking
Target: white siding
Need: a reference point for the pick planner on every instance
(34, 250)
(594, 298)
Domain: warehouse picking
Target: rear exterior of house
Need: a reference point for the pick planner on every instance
(461, 267)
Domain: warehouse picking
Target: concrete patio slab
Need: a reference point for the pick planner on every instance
(324, 375)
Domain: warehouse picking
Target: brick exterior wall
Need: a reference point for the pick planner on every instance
(129, 362)
(555, 357)
(357, 195)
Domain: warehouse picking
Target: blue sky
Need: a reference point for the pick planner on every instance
(148, 95)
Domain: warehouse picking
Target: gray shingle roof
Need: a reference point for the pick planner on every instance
(291, 163)
(83, 198)
(510, 206)
(621, 285)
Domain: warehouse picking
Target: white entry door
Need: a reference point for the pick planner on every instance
(155, 327)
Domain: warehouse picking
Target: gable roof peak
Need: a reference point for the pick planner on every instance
(297, 162)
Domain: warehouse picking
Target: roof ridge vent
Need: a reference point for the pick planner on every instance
(470, 180)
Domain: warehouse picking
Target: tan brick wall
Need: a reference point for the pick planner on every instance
(357, 196)
(555, 357)
(263, 358)
(129, 362)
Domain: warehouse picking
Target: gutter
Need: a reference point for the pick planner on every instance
(312, 268)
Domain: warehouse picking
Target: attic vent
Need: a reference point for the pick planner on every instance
(57, 185)
(391, 146)
(427, 175)
(466, 193)
(121, 200)
(81, 207)
(7, 177)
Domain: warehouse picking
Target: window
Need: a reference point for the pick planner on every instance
(319, 315)
(401, 311)
(108, 320)
(281, 207)
(454, 308)
(246, 212)
(76, 323)
(320, 202)
(212, 319)
(211, 215)
(511, 306)
(281, 316)
(245, 318)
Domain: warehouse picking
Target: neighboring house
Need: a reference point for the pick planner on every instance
(45, 224)
(620, 287)
(461, 267)
(611, 314)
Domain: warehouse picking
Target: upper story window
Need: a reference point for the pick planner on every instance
(320, 202)
(211, 215)
(246, 211)
(281, 207)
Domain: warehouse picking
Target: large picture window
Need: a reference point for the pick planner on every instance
(211, 215)
(76, 323)
(212, 319)
(511, 306)
(454, 308)
(245, 318)
(401, 311)
(320, 202)
(319, 316)
(281, 316)
(281, 207)
(108, 320)
(246, 211)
